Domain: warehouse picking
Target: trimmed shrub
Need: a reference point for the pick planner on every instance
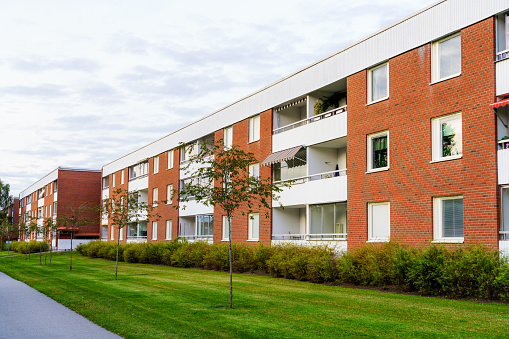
(190, 254)
(426, 275)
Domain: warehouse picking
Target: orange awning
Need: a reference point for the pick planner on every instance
(284, 155)
(501, 103)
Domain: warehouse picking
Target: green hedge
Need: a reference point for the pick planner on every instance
(474, 271)
(27, 247)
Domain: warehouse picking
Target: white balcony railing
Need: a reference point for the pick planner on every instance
(196, 237)
(311, 237)
(307, 121)
(504, 235)
(502, 55)
(503, 162)
(313, 177)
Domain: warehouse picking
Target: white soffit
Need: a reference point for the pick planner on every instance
(431, 23)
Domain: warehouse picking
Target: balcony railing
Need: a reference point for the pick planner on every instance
(311, 237)
(197, 237)
(313, 177)
(502, 55)
(504, 235)
(307, 121)
(136, 237)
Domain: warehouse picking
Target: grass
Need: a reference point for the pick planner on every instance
(151, 301)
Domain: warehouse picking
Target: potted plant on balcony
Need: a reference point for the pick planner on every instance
(333, 100)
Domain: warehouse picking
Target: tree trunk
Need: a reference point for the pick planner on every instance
(70, 266)
(230, 258)
(118, 243)
(40, 254)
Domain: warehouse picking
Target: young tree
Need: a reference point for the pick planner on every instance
(224, 181)
(5, 196)
(32, 228)
(125, 207)
(72, 219)
(49, 230)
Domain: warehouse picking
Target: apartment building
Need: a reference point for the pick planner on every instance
(12, 215)
(413, 145)
(61, 193)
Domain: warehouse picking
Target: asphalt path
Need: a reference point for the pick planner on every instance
(27, 313)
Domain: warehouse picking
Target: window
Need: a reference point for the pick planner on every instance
(378, 151)
(122, 177)
(54, 209)
(41, 192)
(113, 179)
(104, 232)
(121, 237)
(137, 230)
(154, 230)
(189, 151)
(254, 170)
(254, 227)
(112, 232)
(447, 137)
(378, 83)
(292, 168)
(156, 164)
(446, 58)
(170, 159)
(106, 182)
(138, 170)
(379, 221)
(254, 128)
(228, 137)
(226, 229)
(168, 229)
(169, 193)
(204, 225)
(328, 221)
(155, 196)
(448, 219)
(55, 186)
(502, 36)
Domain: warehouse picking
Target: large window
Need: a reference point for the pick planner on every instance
(170, 159)
(290, 169)
(328, 221)
(204, 225)
(379, 221)
(137, 230)
(447, 137)
(254, 170)
(254, 128)
(104, 232)
(254, 226)
(138, 170)
(226, 229)
(446, 58)
(122, 177)
(112, 232)
(154, 230)
(106, 181)
(156, 164)
(113, 179)
(448, 219)
(169, 193)
(155, 196)
(228, 137)
(168, 229)
(378, 83)
(378, 151)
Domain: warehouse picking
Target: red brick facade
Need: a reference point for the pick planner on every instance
(411, 182)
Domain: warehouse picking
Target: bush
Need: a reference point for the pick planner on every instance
(190, 254)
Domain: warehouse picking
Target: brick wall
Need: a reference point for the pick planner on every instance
(412, 181)
(261, 149)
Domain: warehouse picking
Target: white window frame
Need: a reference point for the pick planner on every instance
(225, 236)
(155, 196)
(436, 135)
(154, 230)
(170, 159)
(112, 233)
(438, 222)
(113, 177)
(156, 164)
(254, 128)
(372, 100)
(371, 237)
(251, 220)
(254, 170)
(369, 148)
(435, 59)
(169, 192)
(122, 177)
(228, 137)
(122, 233)
(168, 229)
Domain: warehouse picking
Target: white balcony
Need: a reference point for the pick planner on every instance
(194, 208)
(503, 162)
(138, 184)
(106, 193)
(315, 189)
(320, 128)
(502, 75)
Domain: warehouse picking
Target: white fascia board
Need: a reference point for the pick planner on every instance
(50, 177)
(433, 22)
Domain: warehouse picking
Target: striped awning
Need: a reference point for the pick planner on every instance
(283, 155)
(501, 103)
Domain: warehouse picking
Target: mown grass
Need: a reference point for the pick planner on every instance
(150, 301)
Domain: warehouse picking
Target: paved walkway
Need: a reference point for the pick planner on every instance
(27, 313)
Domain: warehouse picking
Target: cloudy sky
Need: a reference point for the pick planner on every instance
(85, 82)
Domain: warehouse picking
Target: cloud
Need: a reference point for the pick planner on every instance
(38, 63)
(46, 91)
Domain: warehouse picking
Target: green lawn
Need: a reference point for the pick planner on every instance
(158, 301)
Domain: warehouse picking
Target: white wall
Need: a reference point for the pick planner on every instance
(321, 159)
(339, 246)
(194, 208)
(65, 244)
(138, 184)
(286, 220)
(502, 79)
(315, 192)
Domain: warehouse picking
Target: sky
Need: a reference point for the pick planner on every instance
(83, 83)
